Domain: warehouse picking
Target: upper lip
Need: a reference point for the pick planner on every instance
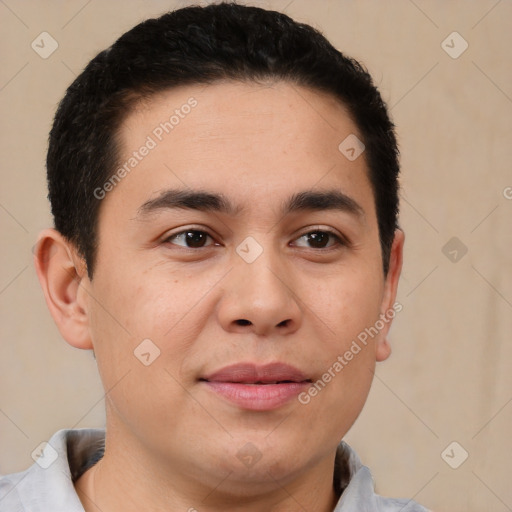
(250, 373)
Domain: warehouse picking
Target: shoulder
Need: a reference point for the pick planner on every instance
(49, 483)
(359, 492)
(9, 498)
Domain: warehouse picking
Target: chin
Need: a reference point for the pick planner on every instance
(259, 463)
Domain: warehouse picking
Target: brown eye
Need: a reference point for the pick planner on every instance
(191, 238)
(319, 239)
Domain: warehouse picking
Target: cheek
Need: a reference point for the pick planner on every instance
(141, 338)
(348, 302)
(143, 301)
(157, 306)
(348, 305)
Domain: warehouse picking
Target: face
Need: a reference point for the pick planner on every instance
(215, 317)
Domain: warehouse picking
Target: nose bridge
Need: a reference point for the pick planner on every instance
(260, 271)
(258, 293)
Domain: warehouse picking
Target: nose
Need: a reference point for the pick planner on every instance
(258, 297)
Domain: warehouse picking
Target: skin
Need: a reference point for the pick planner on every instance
(171, 442)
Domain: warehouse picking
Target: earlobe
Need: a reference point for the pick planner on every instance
(61, 273)
(383, 349)
(388, 307)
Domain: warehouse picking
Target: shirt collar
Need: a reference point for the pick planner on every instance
(49, 483)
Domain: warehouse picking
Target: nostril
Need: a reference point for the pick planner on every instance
(243, 322)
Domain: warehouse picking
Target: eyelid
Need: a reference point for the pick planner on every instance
(168, 236)
(341, 238)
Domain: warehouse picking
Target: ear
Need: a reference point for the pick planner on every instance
(388, 307)
(62, 274)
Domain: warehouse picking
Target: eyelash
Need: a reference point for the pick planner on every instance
(340, 241)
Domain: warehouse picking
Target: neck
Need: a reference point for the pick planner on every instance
(129, 480)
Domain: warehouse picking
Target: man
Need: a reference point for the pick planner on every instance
(224, 189)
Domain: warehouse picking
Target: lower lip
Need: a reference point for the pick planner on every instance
(258, 397)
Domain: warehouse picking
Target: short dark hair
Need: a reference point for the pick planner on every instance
(203, 45)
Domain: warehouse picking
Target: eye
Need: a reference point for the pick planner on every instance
(319, 239)
(190, 238)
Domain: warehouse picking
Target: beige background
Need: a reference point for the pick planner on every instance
(450, 375)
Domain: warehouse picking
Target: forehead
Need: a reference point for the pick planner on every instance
(255, 143)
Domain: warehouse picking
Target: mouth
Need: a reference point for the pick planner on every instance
(255, 387)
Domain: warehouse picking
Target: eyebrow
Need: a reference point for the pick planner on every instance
(217, 202)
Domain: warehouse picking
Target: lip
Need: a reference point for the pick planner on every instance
(257, 387)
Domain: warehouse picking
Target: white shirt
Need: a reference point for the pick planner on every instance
(47, 486)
